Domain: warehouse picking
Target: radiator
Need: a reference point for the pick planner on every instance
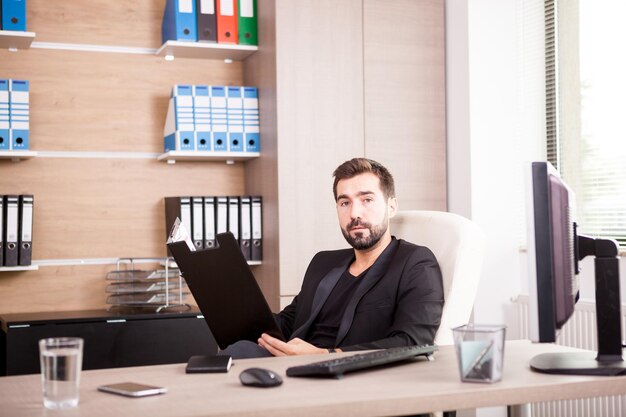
(579, 332)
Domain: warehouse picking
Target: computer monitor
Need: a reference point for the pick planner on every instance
(554, 250)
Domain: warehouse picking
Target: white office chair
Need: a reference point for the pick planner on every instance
(458, 245)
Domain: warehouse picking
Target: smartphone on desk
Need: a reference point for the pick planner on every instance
(132, 389)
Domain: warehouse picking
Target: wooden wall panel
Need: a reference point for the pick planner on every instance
(107, 208)
(320, 123)
(88, 101)
(59, 288)
(354, 78)
(404, 90)
(261, 176)
(100, 22)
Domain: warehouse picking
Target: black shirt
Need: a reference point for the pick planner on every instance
(324, 329)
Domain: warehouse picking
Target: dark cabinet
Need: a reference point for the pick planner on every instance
(112, 340)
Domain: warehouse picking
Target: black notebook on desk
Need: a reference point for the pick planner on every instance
(226, 291)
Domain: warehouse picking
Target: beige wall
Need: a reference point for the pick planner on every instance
(354, 78)
(405, 109)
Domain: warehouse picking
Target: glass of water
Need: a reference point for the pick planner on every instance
(61, 360)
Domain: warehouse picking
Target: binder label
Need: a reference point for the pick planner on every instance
(218, 102)
(246, 231)
(20, 97)
(257, 233)
(185, 6)
(245, 8)
(233, 216)
(227, 7)
(186, 101)
(207, 6)
(12, 220)
(222, 215)
(27, 224)
(203, 101)
(1, 225)
(209, 218)
(185, 212)
(197, 224)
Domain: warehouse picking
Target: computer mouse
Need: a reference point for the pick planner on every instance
(259, 377)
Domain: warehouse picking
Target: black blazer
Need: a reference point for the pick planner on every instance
(398, 302)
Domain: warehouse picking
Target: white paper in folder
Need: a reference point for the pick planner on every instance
(180, 233)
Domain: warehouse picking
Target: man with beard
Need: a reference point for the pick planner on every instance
(384, 292)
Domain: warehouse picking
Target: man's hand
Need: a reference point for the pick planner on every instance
(294, 347)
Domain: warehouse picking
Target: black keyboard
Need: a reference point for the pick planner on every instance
(360, 361)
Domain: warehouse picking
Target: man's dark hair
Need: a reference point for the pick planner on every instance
(357, 166)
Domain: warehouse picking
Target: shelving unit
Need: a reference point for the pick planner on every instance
(181, 49)
(230, 157)
(17, 155)
(19, 268)
(172, 264)
(14, 40)
(97, 175)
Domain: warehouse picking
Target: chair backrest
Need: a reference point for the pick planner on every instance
(458, 245)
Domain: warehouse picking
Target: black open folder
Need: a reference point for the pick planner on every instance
(226, 291)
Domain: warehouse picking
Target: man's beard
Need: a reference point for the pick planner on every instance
(360, 241)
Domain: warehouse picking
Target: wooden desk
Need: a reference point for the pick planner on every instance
(407, 389)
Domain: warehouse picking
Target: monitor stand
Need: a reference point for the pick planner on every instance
(576, 363)
(608, 360)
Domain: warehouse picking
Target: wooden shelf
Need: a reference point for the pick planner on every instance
(173, 264)
(11, 39)
(181, 49)
(17, 155)
(19, 268)
(229, 157)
